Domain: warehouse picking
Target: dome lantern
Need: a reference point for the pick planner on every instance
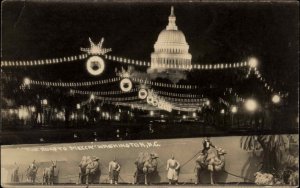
(172, 19)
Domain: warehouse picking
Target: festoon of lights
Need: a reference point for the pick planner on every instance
(48, 61)
(211, 66)
(237, 97)
(253, 64)
(95, 64)
(113, 92)
(164, 85)
(159, 102)
(27, 81)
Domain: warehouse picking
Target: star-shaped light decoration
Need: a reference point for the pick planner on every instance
(96, 49)
(125, 73)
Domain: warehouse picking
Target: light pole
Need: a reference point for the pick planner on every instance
(233, 111)
(223, 116)
(251, 106)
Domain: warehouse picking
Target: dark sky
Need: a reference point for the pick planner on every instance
(216, 32)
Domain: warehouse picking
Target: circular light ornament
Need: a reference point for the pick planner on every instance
(149, 99)
(126, 85)
(95, 65)
(253, 62)
(143, 93)
(251, 105)
(155, 102)
(276, 99)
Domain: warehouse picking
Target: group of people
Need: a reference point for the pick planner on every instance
(90, 168)
(173, 166)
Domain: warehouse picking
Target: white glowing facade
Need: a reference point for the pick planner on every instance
(171, 51)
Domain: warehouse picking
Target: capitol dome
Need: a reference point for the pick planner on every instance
(171, 51)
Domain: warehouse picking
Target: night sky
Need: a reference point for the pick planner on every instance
(216, 33)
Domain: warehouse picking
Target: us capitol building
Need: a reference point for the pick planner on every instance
(171, 51)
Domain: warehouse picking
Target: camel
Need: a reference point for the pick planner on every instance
(147, 165)
(31, 174)
(214, 162)
(48, 174)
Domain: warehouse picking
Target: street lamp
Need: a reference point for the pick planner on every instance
(26, 81)
(44, 101)
(32, 109)
(151, 113)
(222, 111)
(98, 109)
(77, 106)
(253, 62)
(251, 105)
(276, 99)
(223, 116)
(234, 109)
(207, 102)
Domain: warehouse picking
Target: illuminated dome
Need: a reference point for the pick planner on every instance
(171, 51)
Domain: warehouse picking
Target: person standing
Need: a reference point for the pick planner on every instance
(15, 174)
(206, 147)
(114, 170)
(173, 170)
(82, 170)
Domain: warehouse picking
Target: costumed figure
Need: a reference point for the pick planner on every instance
(206, 145)
(82, 170)
(173, 170)
(93, 171)
(15, 174)
(114, 170)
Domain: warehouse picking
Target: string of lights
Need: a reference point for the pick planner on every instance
(177, 94)
(231, 92)
(127, 60)
(224, 102)
(118, 92)
(172, 99)
(124, 60)
(165, 85)
(116, 99)
(220, 66)
(27, 82)
(185, 109)
(266, 85)
(23, 63)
